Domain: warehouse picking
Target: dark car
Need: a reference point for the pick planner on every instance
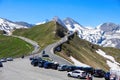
(48, 65)
(1, 65)
(87, 69)
(55, 66)
(58, 48)
(41, 63)
(107, 76)
(45, 55)
(62, 67)
(35, 61)
(71, 68)
(99, 73)
(31, 57)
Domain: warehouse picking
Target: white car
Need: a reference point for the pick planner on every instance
(77, 74)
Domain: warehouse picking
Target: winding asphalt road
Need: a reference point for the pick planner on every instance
(50, 50)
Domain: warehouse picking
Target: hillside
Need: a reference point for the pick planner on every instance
(43, 34)
(13, 47)
(85, 52)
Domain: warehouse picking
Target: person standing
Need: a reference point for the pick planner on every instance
(89, 76)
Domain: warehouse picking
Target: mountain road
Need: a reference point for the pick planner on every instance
(50, 51)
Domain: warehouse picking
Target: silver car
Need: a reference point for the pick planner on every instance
(9, 59)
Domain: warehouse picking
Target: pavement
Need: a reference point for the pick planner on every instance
(21, 69)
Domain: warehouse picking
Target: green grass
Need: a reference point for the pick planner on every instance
(85, 52)
(13, 47)
(44, 34)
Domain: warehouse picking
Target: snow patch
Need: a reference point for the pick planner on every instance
(77, 63)
(114, 65)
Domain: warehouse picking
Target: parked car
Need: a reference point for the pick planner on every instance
(35, 61)
(71, 68)
(3, 60)
(34, 57)
(48, 65)
(31, 57)
(1, 65)
(107, 76)
(87, 69)
(9, 59)
(55, 66)
(45, 55)
(99, 73)
(62, 67)
(41, 63)
(77, 74)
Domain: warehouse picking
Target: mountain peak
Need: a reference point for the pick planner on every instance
(69, 21)
(57, 19)
(2, 20)
(109, 26)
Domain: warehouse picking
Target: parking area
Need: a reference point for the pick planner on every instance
(21, 69)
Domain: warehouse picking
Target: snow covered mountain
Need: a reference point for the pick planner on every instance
(111, 33)
(8, 25)
(106, 34)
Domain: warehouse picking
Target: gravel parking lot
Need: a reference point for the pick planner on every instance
(21, 69)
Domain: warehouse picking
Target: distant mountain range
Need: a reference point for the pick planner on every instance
(8, 25)
(106, 34)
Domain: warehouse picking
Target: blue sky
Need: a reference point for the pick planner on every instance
(86, 12)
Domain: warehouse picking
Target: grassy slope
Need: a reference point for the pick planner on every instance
(85, 52)
(13, 47)
(44, 34)
(113, 52)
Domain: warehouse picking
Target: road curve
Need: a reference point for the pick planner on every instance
(50, 50)
(35, 44)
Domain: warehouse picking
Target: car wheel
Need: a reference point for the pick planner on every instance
(69, 75)
(79, 76)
